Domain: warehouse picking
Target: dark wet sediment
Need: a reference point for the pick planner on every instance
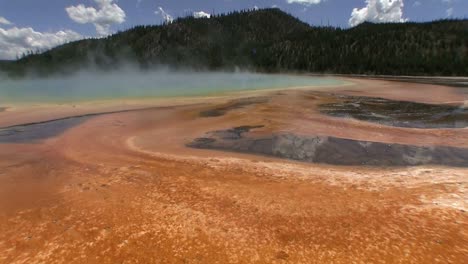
(35, 132)
(332, 150)
(232, 105)
(397, 113)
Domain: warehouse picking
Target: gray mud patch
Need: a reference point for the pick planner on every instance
(31, 133)
(3, 109)
(331, 150)
(34, 132)
(397, 113)
(232, 105)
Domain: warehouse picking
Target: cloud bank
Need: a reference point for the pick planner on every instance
(4, 21)
(378, 11)
(107, 14)
(17, 41)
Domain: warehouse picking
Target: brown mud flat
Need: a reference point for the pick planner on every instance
(123, 188)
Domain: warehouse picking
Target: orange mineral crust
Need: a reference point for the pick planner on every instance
(132, 187)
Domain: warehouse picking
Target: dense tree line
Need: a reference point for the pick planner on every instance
(268, 40)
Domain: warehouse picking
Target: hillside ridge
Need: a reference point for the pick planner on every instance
(267, 40)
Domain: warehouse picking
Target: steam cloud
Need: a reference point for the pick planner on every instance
(166, 17)
(130, 82)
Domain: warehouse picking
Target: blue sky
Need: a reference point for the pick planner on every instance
(41, 24)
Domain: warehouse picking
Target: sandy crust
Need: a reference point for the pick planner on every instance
(123, 187)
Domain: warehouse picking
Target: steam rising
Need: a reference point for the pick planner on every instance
(131, 83)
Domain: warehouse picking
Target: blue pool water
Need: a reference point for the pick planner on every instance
(95, 86)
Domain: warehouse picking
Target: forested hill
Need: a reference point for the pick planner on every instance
(268, 40)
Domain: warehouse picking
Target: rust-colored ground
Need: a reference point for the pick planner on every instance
(123, 188)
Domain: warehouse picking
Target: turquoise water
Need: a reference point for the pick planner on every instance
(93, 86)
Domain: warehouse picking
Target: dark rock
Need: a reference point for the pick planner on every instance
(331, 150)
(398, 113)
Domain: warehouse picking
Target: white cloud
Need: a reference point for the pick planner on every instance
(167, 18)
(4, 21)
(102, 18)
(449, 12)
(304, 2)
(201, 14)
(16, 41)
(378, 11)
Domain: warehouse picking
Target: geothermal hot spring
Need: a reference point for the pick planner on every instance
(172, 167)
(134, 84)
